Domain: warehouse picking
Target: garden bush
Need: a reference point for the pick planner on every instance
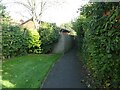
(32, 41)
(49, 36)
(101, 42)
(12, 41)
(17, 41)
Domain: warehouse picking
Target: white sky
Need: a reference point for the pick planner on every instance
(58, 13)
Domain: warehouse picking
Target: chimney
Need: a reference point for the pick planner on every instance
(21, 21)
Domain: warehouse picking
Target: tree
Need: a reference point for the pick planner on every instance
(4, 17)
(2, 10)
(36, 8)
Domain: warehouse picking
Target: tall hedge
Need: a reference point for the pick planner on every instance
(101, 42)
(18, 41)
(32, 41)
(15, 39)
(49, 36)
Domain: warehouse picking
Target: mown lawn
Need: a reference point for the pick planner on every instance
(26, 71)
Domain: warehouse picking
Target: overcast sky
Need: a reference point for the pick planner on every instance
(58, 13)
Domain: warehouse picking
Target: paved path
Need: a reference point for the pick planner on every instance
(66, 73)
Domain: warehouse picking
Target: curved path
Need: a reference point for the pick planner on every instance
(66, 73)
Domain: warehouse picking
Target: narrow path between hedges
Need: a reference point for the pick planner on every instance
(66, 73)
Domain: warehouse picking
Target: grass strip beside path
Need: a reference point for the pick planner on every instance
(27, 71)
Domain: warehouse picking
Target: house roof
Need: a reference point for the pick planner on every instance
(64, 30)
(31, 19)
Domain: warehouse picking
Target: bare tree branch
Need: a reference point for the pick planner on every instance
(22, 15)
(25, 5)
(35, 9)
(29, 3)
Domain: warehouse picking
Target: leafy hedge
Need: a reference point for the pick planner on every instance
(49, 36)
(32, 41)
(17, 41)
(78, 27)
(101, 42)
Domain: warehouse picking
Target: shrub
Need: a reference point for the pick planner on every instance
(49, 36)
(17, 41)
(12, 41)
(101, 42)
(32, 41)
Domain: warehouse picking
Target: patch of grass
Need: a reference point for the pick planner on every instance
(26, 71)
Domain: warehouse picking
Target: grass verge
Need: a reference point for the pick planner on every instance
(27, 71)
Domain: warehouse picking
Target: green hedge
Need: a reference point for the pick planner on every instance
(101, 42)
(32, 41)
(17, 41)
(49, 36)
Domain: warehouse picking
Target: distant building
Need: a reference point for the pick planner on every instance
(64, 31)
(29, 24)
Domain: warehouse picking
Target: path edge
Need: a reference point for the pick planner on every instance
(50, 69)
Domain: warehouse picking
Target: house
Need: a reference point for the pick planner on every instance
(29, 24)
